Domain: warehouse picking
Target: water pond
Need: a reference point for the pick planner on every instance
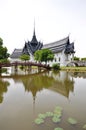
(43, 101)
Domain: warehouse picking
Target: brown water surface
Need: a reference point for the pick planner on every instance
(22, 98)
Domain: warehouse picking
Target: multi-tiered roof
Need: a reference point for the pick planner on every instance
(29, 48)
(58, 46)
(32, 46)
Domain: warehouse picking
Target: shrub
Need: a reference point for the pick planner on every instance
(76, 58)
(83, 59)
(4, 61)
(56, 66)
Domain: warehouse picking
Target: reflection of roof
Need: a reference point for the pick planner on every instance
(16, 53)
(63, 88)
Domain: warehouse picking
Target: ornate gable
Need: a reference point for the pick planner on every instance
(34, 45)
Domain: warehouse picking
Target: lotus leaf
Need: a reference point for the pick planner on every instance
(43, 116)
(57, 115)
(57, 112)
(72, 121)
(58, 108)
(84, 127)
(58, 128)
(49, 114)
(39, 121)
(56, 120)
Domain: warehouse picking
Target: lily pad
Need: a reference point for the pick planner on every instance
(42, 116)
(49, 114)
(57, 111)
(72, 121)
(58, 108)
(39, 121)
(57, 115)
(58, 128)
(56, 120)
(84, 127)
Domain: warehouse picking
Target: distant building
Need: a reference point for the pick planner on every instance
(62, 49)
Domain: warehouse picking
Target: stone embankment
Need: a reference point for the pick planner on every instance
(77, 63)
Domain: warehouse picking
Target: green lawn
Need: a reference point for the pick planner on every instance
(80, 69)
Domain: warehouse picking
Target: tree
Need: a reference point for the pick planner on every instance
(3, 52)
(83, 59)
(37, 55)
(44, 55)
(56, 66)
(76, 58)
(24, 57)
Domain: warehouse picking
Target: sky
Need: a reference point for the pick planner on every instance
(54, 20)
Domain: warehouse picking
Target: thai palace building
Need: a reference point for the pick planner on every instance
(63, 50)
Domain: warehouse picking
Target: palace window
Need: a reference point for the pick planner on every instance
(59, 59)
(55, 59)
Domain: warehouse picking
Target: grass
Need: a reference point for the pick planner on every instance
(78, 69)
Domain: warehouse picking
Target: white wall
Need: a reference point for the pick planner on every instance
(61, 58)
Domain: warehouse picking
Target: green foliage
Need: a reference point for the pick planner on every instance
(4, 61)
(3, 51)
(44, 55)
(72, 121)
(49, 114)
(24, 57)
(3, 89)
(84, 127)
(83, 59)
(56, 119)
(58, 128)
(42, 116)
(1, 41)
(21, 67)
(76, 58)
(37, 55)
(53, 115)
(39, 121)
(56, 66)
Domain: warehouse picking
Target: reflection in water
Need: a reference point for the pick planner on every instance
(78, 74)
(3, 88)
(48, 90)
(58, 82)
(64, 84)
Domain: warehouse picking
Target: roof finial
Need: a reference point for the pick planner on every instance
(69, 34)
(34, 26)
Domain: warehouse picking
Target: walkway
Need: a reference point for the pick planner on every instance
(15, 64)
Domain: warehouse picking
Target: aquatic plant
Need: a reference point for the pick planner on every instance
(42, 116)
(84, 127)
(58, 128)
(58, 108)
(72, 121)
(57, 115)
(39, 121)
(49, 114)
(58, 111)
(56, 119)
